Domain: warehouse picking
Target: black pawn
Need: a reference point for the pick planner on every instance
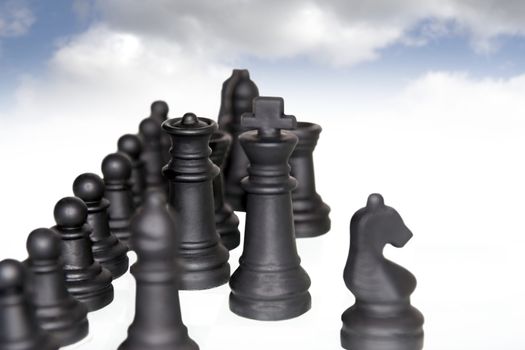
(204, 260)
(107, 249)
(116, 168)
(57, 311)
(235, 168)
(270, 283)
(159, 112)
(86, 280)
(150, 132)
(310, 213)
(19, 329)
(132, 146)
(382, 317)
(226, 221)
(157, 281)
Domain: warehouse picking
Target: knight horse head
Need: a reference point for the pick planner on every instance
(376, 225)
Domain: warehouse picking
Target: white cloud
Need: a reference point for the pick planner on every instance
(16, 18)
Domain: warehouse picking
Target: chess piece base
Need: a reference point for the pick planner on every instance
(311, 219)
(67, 323)
(95, 295)
(402, 331)
(188, 345)
(111, 254)
(204, 270)
(227, 225)
(271, 310)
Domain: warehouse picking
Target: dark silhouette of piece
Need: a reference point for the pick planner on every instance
(150, 132)
(382, 317)
(158, 323)
(225, 118)
(235, 168)
(131, 145)
(19, 329)
(159, 112)
(116, 168)
(270, 283)
(204, 260)
(57, 311)
(107, 249)
(226, 221)
(310, 213)
(86, 280)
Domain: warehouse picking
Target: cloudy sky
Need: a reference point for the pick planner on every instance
(65, 54)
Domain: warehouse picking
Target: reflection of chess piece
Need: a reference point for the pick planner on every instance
(19, 328)
(382, 317)
(309, 211)
(235, 168)
(158, 323)
(225, 219)
(190, 172)
(64, 317)
(270, 283)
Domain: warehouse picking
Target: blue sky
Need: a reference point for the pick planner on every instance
(346, 46)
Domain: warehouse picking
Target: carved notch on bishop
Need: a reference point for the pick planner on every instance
(268, 117)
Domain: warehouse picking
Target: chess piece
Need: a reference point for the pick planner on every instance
(382, 317)
(150, 132)
(86, 280)
(57, 311)
(226, 221)
(131, 145)
(159, 112)
(106, 248)
(225, 118)
(235, 168)
(19, 329)
(310, 213)
(158, 323)
(270, 283)
(204, 260)
(116, 168)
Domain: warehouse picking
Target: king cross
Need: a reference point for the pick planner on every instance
(268, 117)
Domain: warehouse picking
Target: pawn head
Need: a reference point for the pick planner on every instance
(131, 145)
(12, 275)
(70, 212)
(159, 110)
(150, 129)
(89, 187)
(116, 167)
(43, 244)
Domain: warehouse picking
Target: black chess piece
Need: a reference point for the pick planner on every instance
(270, 283)
(86, 279)
(235, 169)
(150, 132)
(107, 249)
(225, 118)
(159, 112)
(116, 168)
(19, 329)
(57, 311)
(382, 317)
(132, 146)
(158, 323)
(204, 260)
(310, 213)
(226, 221)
